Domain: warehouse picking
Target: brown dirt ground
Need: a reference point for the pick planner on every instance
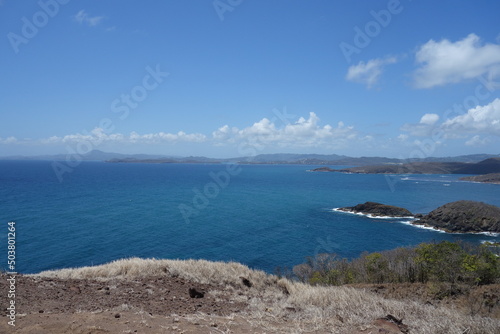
(146, 305)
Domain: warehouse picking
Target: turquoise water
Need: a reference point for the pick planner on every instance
(263, 216)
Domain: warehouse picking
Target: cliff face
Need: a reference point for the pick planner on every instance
(377, 209)
(464, 216)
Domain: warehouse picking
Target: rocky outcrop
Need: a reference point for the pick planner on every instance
(463, 217)
(378, 209)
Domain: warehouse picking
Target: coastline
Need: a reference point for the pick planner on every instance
(412, 221)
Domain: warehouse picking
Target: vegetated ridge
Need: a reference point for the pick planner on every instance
(490, 165)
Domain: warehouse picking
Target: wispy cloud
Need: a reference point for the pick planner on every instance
(422, 128)
(99, 135)
(429, 119)
(446, 62)
(368, 73)
(8, 140)
(477, 141)
(83, 17)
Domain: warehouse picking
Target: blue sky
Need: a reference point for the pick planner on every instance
(229, 78)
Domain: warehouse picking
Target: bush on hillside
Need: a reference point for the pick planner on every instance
(444, 262)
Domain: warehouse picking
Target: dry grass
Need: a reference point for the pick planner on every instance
(280, 305)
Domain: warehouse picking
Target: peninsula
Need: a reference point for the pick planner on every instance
(487, 166)
(486, 178)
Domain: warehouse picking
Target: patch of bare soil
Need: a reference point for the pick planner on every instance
(147, 305)
(48, 305)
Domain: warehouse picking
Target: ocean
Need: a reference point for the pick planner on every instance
(264, 216)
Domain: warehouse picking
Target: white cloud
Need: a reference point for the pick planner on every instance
(83, 17)
(98, 136)
(481, 119)
(423, 128)
(403, 137)
(264, 133)
(303, 133)
(447, 62)
(429, 119)
(477, 141)
(8, 140)
(479, 125)
(368, 73)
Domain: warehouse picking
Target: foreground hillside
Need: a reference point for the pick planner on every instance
(168, 296)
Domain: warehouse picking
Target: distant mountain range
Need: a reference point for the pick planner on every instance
(280, 158)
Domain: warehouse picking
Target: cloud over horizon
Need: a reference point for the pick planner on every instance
(302, 133)
(480, 122)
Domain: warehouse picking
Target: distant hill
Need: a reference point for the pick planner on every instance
(491, 165)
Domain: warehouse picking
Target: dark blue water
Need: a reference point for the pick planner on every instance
(265, 216)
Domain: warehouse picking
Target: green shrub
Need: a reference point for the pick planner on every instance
(449, 263)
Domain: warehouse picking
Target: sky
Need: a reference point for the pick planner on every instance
(229, 78)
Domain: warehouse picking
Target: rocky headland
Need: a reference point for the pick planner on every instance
(491, 165)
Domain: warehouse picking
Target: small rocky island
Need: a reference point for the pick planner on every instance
(454, 217)
(463, 217)
(378, 210)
